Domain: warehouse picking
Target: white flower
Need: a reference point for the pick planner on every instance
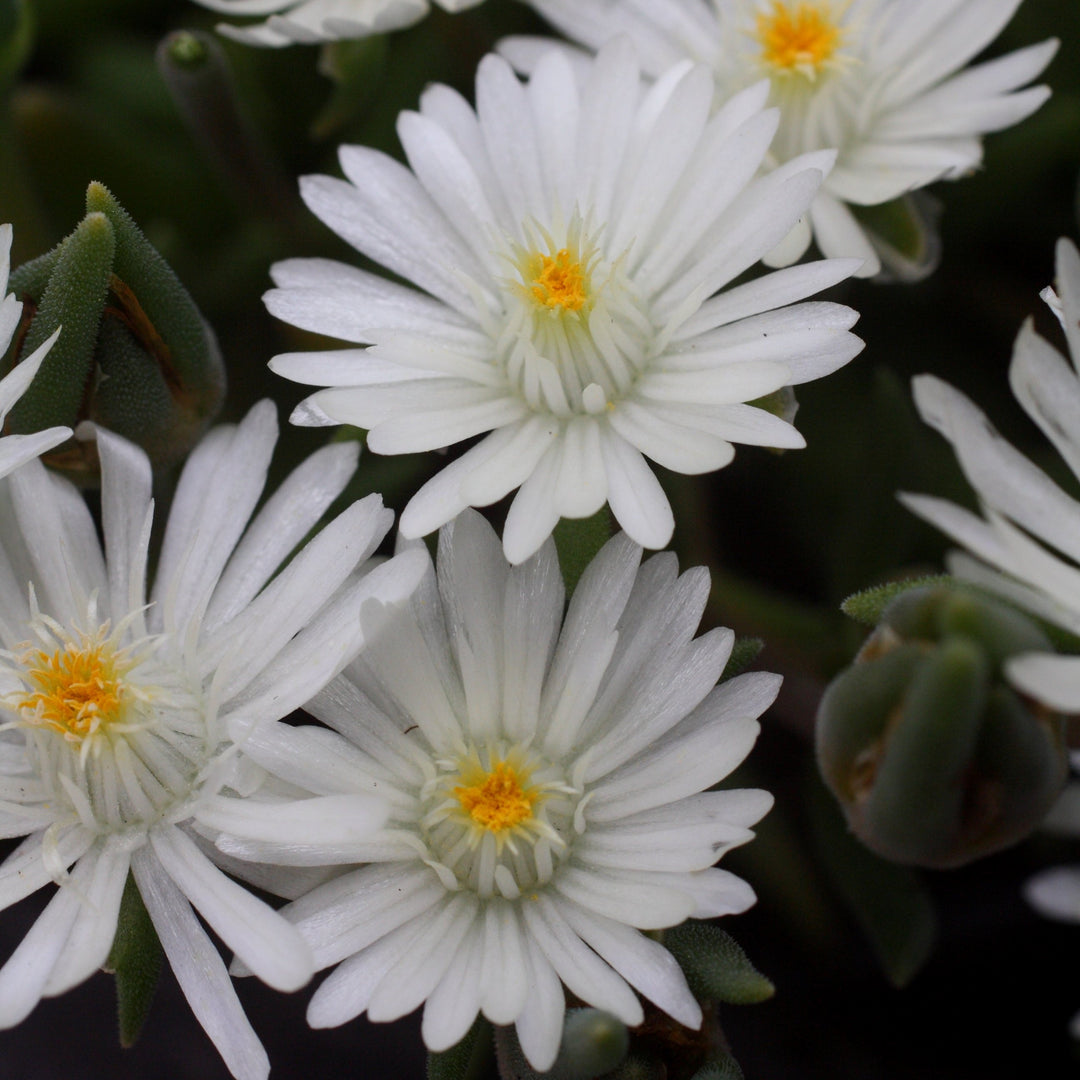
(548, 781)
(1026, 544)
(307, 22)
(569, 239)
(114, 748)
(15, 449)
(879, 80)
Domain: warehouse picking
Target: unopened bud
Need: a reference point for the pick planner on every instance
(934, 758)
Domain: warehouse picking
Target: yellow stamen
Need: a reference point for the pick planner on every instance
(77, 689)
(798, 37)
(558, 281)
(497, 801)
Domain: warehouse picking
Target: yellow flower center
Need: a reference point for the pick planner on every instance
(76, 690)
(798, 37)
(557, 281)
(498, 800)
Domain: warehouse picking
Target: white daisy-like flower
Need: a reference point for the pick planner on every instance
(15, 449)
(115, 704)
(308, 22)
(570, 240)
(879, 80)
(549, 789)
(1026, 544)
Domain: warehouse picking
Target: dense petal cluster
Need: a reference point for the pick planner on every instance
(550, 796)
(1026, 543)
(570, 238)
(15, 449)
(878, 80)
(115, 702)
(307, 22)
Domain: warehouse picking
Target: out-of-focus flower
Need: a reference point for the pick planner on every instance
(549, 783)
(879, 80)
(570, 239)
(16, 449)
(307, 22)
(1026, 543)
(114, 744)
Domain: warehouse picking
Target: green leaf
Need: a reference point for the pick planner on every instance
(722, 1067)
(890, 902)
(715, 966)
(16, 39)
(73, 300)
(467, 1060)
(905, 235)
(135, 959)
(577, 541)
(165, 319)
(743, 653)
(868, 605)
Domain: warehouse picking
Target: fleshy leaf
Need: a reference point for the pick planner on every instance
(890, 902)
(467, 1060)
(135, 960)
(869, 605)
(577, 541)
(743, 653)
(715, 966)
(722, 1067)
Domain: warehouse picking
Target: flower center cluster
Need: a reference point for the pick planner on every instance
(112, 732)
(498, 800)
(497, 819)
(558, 281)
(574, 335)
(77, 689)
(798, 38)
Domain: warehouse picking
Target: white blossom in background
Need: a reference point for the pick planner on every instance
(882, 81)
(569, 241)
(549, 791)
(16, 449)
(308, 22)
(1025, 544)
(115, 703)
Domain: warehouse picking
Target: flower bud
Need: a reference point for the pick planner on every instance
(934, 758)
(135, 355)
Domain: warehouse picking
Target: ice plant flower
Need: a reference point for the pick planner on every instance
(115, 704)
(550, 791)
(15, 449)
(308, 22)
(881, 81)
(570, 241)
(1026, 542)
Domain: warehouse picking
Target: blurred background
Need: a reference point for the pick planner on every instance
(988, 987)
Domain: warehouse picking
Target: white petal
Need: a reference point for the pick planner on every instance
(199, 971)
(270, 946)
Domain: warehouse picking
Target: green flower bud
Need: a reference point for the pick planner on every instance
(934, 758)
(135, 355)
